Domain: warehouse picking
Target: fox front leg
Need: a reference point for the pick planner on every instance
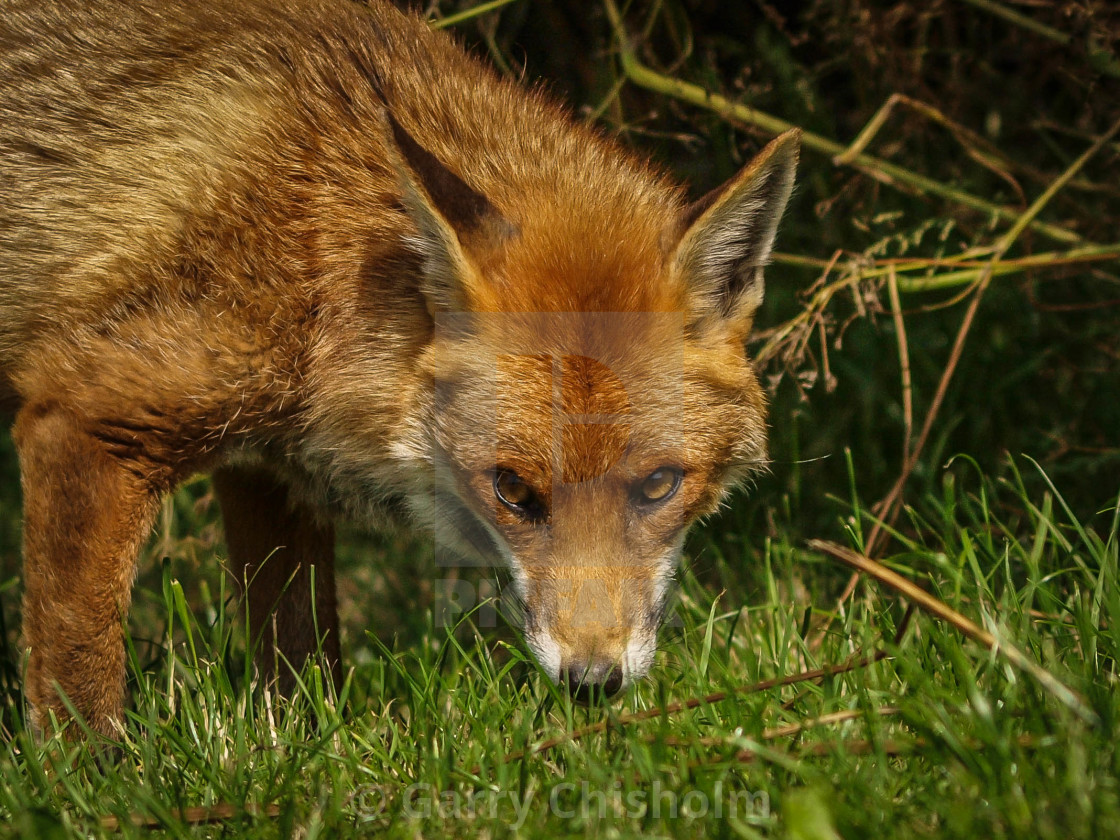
(87, 511)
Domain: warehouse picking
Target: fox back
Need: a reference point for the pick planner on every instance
(318, 250)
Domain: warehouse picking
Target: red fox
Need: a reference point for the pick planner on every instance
(317, 250)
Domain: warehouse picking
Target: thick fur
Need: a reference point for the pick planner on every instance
(316, 248)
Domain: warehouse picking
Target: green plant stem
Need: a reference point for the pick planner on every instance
(468, 14)
(964, 277)
(1102, 58)
(1021, 20)
(965, 270)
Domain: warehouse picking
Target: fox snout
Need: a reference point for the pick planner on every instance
(599, 677)
(594, 629)
(588, 662)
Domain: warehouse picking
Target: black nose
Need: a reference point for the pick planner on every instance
(584, 684)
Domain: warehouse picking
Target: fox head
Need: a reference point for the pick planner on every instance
(591, 394)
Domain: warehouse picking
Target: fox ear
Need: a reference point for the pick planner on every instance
(724, 239)
(452, 219)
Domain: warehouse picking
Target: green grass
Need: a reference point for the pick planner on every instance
(439, 733)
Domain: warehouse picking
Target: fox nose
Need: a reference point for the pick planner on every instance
(584, 683)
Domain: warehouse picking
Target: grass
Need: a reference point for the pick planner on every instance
(453, 732)
(948, 284)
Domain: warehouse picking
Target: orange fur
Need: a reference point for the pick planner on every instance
(318, 249)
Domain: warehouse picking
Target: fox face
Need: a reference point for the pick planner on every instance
(577, 462)
(590, 402)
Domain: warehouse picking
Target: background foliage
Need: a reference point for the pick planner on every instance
(1006, 513)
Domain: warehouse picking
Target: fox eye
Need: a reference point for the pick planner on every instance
(658, 486)
(513, 492)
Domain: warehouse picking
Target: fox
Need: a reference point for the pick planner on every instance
(319, 251)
